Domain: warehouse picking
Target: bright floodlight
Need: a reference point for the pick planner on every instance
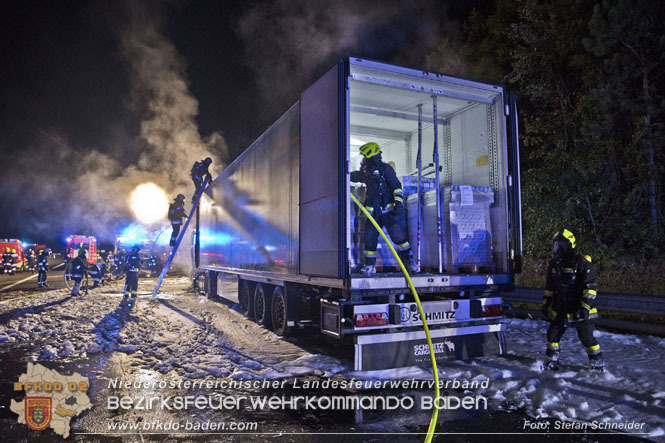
(149, 203)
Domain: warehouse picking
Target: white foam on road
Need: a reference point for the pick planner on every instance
(181, 334)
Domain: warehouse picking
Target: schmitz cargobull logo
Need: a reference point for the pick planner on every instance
(38, 412)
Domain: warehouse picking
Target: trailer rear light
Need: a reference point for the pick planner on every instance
(492, 311)
(371, 319)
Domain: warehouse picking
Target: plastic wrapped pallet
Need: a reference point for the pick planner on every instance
(410, 184)
(466, 241)
(429, 252)
(468, 226)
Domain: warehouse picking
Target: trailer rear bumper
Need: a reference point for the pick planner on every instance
(402, 349)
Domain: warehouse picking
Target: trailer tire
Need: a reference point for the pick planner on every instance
(280, 324)
(262, 298)
(246, 299)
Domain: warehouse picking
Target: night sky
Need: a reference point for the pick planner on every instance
(99, 96)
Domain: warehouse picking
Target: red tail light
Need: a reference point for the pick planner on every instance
(492, 311)
(371, 319)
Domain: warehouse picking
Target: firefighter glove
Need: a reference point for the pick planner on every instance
(398, 209)
(583, 313)
(545, 308)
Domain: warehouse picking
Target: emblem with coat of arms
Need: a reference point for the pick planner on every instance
(38, 412)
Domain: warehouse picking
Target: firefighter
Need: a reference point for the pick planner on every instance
(32, 260)
(133, 265)
(119, 264)
(199, 172)
(385, 202)
(14, 262)
(570, 293)
(110, 265)
(7, 260)
(153, 266)
(69, 255)
(176, 214)
(42, 268)
(79, 270)
(95, 272)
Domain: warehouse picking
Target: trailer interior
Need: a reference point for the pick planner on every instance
(397, 110)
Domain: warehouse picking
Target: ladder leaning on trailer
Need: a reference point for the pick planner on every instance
(167, 265)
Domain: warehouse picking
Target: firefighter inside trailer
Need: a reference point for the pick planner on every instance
(385, 202)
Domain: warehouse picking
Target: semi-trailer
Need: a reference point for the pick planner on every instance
(279, 233)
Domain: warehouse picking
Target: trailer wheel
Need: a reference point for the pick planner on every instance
(262, 298)
(278, 313)
(246, 300)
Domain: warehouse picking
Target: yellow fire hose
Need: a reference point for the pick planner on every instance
(435, 411)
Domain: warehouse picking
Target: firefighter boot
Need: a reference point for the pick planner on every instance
(552, 363)
(596, 362)
(409, 261)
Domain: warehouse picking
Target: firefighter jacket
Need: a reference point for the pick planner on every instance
(79, 267)
(42, 263)
(133, 262)
(7, 258)
(571, 287)
(14, 258)
(383, 187)
(176, 212)
(200, 170)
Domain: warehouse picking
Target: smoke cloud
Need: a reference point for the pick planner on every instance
(289, 44)
(88, 191)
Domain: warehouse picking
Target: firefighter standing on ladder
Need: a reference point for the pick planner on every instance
(570, 291)
(385, 202)
(176, 214)
(199, 172)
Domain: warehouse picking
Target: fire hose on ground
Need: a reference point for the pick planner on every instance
(435, 411)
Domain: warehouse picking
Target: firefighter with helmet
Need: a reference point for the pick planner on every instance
(199, 172)
(176, 214)
(31, 258)
(42, 267)
(14, 262)
(79, 270)
(133, 267)
(570, 294)
(385, 202)
(7, 261)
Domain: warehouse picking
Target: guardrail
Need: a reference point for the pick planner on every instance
(605, 301)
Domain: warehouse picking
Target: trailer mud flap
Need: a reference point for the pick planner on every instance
(403, 349)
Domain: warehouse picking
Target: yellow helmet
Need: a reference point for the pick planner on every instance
(566, 235)
(8, 250)
(14, 251)
(370, 149)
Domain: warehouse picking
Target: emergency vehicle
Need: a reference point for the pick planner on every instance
(76, 242)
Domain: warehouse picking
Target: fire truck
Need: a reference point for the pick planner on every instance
(77, 242)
